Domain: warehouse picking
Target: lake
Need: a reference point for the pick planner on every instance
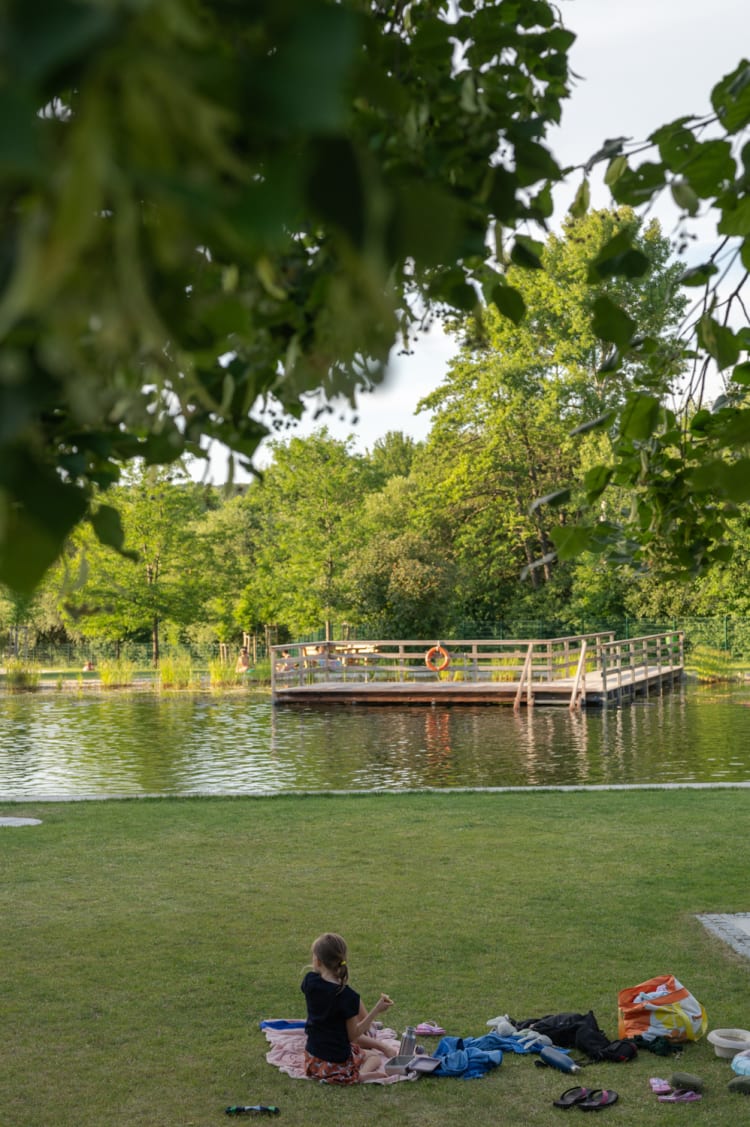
(95, 743)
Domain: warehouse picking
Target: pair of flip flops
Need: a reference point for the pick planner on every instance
(587, 1099)
(681, 1088)
(429, 1029)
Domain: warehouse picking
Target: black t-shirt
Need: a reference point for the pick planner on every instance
(328, 1010)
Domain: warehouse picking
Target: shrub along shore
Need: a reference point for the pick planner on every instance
(144, 940)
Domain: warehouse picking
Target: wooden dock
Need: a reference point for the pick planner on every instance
(575, 671)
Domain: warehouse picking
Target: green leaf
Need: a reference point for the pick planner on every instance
(618, 257)
(49, 35)
(612, 362)
(307, 77)
(730, 479)
(719, 341)
(639, 417)
(162, 448)
(615, 170)
(527, 252)
(596, 480)
(534, 162)
(510, 303)
(684, 196)
(699, 275)
(37, 523)
(612, 323)
(675, 143)
(580, 204)
(636, 186)
(599, 423)
(735, 217)
(710, 167)
(558, 497)
(107, 525)
(741, 373)
(731, 98)
(571, 540)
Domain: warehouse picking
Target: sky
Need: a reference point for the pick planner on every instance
(639, 65)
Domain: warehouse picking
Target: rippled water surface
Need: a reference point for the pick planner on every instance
(96, 743)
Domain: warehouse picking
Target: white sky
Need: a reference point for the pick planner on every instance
(641, 65)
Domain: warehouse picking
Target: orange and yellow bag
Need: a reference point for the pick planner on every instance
(661, 1007)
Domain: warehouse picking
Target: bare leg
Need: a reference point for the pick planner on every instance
(372, 1064)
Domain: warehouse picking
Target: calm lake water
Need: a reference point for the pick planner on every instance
(94, 743)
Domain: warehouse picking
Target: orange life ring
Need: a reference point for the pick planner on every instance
(431, 654)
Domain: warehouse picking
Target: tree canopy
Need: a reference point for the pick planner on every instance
(210, 209)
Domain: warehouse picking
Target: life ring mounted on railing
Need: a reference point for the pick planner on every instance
(429, 659)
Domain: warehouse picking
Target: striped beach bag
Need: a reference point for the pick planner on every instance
(660, 1007)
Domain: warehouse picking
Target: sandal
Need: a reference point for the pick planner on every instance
(680, 1096)
(661, 1087)
(599, 1098)
(572, 1097)
(429, 1029)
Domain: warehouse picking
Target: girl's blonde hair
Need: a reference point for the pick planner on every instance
(330, 950)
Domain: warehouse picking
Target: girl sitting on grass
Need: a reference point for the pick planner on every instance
(337, 1022)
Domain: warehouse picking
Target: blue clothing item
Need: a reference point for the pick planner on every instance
(281, 1023)
(468, 1057)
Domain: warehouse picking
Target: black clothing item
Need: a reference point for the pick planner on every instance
(328, 1009)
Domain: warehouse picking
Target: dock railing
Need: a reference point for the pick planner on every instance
(625, 660)
(525, 662)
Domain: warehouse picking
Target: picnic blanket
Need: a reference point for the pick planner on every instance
(287, 1039)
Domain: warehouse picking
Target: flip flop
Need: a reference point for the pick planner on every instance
(680, 1097)
(572, 1097)
(661, 1087)
(599, 1098)
(429, 1029)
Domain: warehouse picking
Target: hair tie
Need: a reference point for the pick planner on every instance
(342, 963)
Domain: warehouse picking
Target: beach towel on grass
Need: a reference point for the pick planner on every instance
(287, 1038)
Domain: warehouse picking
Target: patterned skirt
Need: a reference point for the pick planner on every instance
(335, 1072)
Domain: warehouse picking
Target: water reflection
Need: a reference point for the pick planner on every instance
(109, 743)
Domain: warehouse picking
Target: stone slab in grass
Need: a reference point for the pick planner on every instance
(734, 929)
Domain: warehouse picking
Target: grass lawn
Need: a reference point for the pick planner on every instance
(141, 942)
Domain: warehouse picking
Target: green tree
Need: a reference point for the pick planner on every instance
(685, 464)
(391, 456)
(400, 580)
(307, 511)
(162, 580)
(206, 203)
(230, 539)
(501, 437)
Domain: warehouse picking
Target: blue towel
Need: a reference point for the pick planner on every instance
(281, 1024)
(468, 1057)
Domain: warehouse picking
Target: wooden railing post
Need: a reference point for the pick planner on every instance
(524, 676)
(580, 677)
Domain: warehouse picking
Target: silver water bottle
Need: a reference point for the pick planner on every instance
(408, 1042)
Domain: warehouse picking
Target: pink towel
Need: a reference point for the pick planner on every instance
(288, 1054)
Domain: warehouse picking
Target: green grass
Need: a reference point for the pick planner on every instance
(714, 665)
(21, 676)
(143, 941)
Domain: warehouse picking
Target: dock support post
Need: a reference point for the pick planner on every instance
(580, 678)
